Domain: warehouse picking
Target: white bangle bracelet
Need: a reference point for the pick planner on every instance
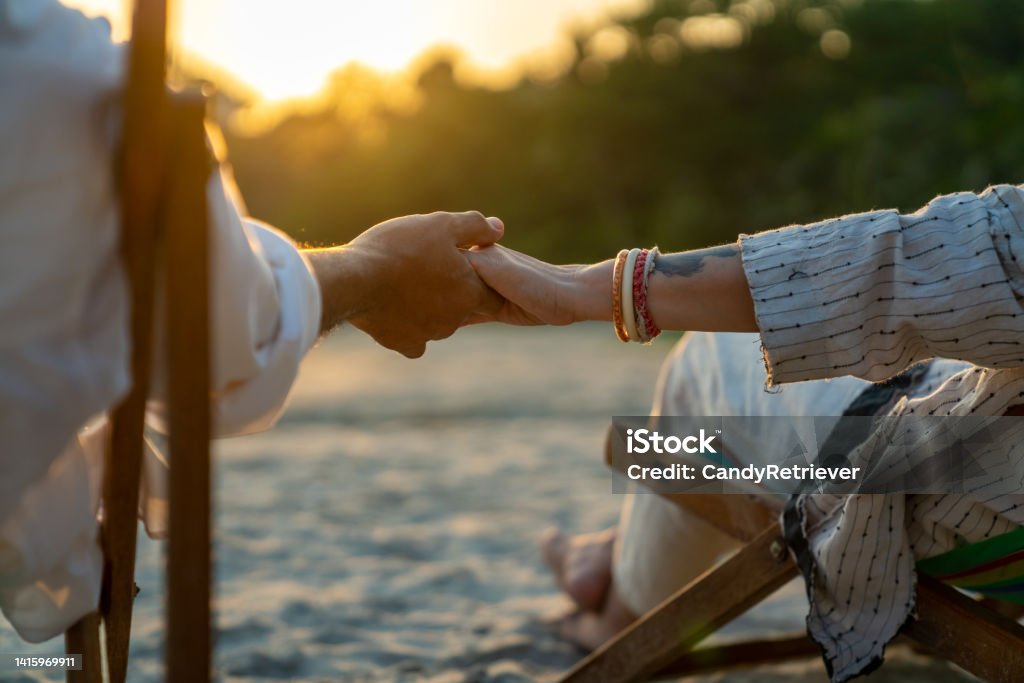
(628, 312)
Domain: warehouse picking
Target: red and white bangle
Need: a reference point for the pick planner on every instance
(639, 297)
(644, 318)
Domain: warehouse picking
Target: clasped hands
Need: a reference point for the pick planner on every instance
(417, 278)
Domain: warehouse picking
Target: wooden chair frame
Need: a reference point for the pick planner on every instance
(162, 174)
(975, 635)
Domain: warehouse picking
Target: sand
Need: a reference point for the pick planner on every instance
(386, 530)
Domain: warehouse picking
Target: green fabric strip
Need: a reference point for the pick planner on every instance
(970, 556)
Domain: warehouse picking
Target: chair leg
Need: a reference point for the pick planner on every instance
(83, 638)
(985, 643)
(189, 573)
(139, 190)
(712, 600)
(742, 654)
(1013, 610)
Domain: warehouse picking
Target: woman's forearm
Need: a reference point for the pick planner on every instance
(704, 290)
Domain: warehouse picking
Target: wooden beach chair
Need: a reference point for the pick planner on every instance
(980, 636)
(162, 174)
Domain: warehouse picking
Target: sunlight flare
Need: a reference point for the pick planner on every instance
(288, 50)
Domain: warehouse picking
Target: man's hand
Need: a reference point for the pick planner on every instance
(406, 281)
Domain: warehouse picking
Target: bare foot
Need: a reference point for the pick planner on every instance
(590, 630)
(582, 564)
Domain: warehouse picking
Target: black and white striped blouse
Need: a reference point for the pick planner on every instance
(869, 295)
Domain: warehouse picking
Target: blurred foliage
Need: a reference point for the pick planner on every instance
(675, 134)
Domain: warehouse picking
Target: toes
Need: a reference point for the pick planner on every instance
(582, 565)
(553, 548)
(588, 569)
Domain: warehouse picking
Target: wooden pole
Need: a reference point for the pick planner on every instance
(189, 626)
(83, 638)
(952, 625)
(140, 180)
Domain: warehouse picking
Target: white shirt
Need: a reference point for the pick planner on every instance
(64, 312)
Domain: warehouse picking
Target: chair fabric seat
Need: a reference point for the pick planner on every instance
(993, 567)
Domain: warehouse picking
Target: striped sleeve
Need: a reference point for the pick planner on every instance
(872, 293)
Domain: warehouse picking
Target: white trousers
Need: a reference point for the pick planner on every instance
(660, 547)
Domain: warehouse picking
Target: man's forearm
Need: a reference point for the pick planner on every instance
(343, 274)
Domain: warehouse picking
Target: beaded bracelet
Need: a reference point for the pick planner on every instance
(639, 296)
(617, 274)
(646, 321)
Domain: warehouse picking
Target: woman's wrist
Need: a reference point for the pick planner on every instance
(591, 292)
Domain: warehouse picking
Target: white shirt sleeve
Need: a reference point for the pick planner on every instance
(264, 318)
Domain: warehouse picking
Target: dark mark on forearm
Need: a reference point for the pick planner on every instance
(692, 262)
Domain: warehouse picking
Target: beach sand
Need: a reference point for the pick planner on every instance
(387, 529)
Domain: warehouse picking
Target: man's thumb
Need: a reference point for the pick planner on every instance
(472, 229)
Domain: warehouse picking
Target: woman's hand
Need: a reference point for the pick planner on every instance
(539, 293)
(704, 289)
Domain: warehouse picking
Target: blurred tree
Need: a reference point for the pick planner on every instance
(714, 118)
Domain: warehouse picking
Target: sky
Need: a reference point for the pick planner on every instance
(286, 49)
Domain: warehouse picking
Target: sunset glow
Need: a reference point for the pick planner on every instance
(288, 49)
